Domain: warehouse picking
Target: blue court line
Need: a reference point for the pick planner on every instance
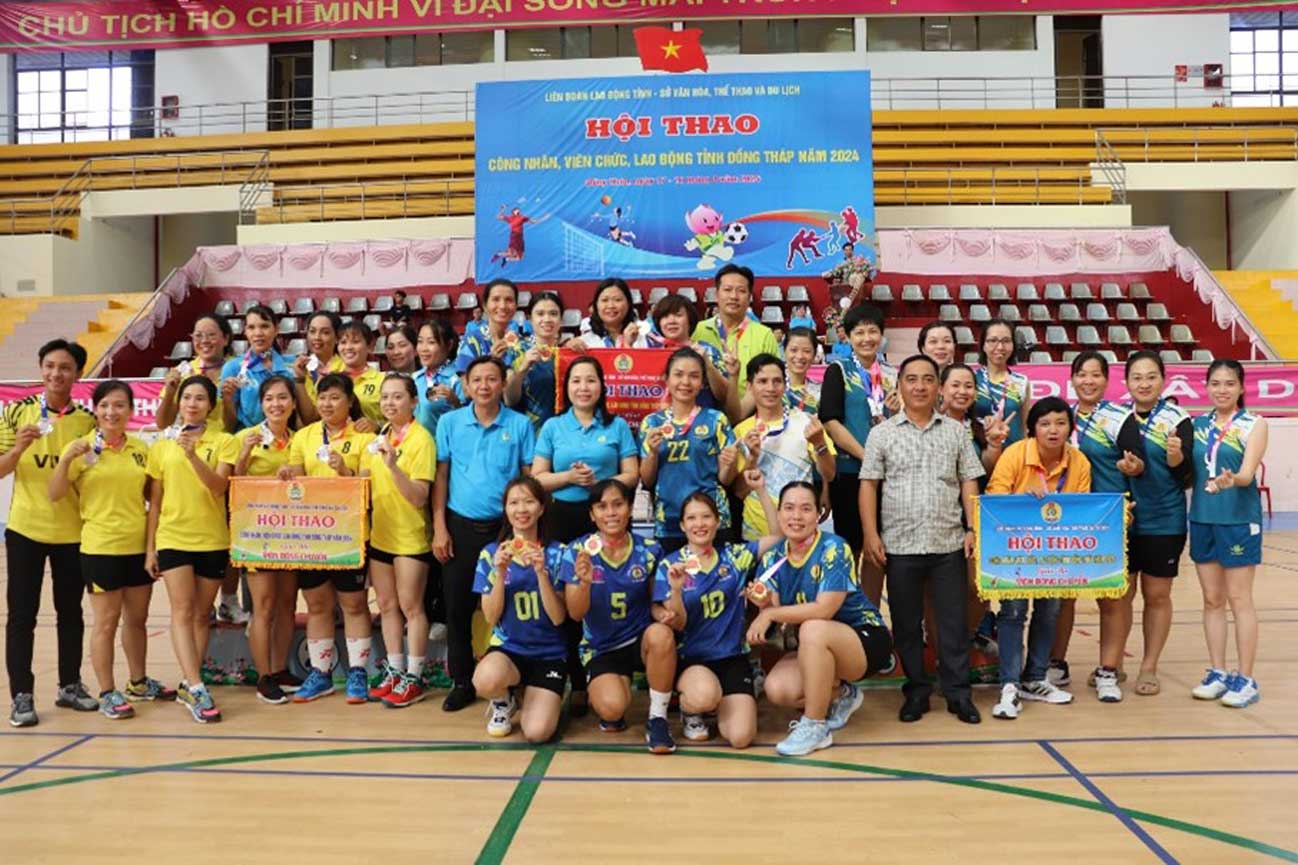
(35, 764)
(664, 779)
(486, 745)
(1113, 808)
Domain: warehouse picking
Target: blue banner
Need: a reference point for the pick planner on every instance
(1062, 546)
(672, 175)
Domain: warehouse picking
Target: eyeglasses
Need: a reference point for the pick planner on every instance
(1004, 340)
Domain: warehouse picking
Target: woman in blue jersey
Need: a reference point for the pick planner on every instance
(685, 448)
(437, 381)
(241, 377)
(520, 580)
(1003, 394)
(802, 393)
(492, 336)
(809, 583)
(530, 388)
(704, 589)
(613, 322)
(674, 320)
(1226, 530)
(610, 589)
(1157, 537)
(1108, 436)
(575, 451)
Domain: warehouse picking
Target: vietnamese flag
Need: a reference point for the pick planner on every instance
(670, 50)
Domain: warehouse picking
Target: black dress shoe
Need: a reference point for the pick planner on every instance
(460, 697)
(965, 710)
(913, 709)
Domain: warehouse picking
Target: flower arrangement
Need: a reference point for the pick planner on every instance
(855, 271)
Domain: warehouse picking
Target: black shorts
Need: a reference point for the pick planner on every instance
(1155, 555)
(734, 673)
(343, 581)
(546, 673)
(209, 565)
(104, 573)
(877, 643)
(385, 558)
(620, 662)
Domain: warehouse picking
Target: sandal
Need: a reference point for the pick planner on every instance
(1147, 685)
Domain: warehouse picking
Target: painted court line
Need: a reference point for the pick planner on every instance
(1112, 807)
(18, 770)
(502, 834)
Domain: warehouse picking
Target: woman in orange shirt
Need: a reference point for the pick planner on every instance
(1044, 463)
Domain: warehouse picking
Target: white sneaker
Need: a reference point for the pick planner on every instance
(500, 714)
(1008, 707)
(1243, 692)
(230, 611)
(695, 727)
(1214, 685)
(1106, 686)
(1044, 692)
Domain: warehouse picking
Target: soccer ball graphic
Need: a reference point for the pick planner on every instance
(736, 233)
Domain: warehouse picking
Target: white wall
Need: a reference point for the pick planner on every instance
(1196, 219)
(1264, 230)
(27, 258)
(109, 255)
(226, 75)
(348, 230)
(1145, 45)
(182, 233)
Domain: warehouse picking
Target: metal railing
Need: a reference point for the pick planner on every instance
(1259, 142)
(1257, 340)
(103, 366)
(1110, 166)
(439, 106)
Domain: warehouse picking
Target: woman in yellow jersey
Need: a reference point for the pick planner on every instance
(320, 359)
(33, 432)
(262, 451)
(211, 337)
(107, 469)
(355, 345)
(332, 447)
(401, 465)
(400, 350)
(189, 533)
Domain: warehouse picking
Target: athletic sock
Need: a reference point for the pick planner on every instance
(395, 661)
(658, 703)
(415, 666)
(358, 651)
(322, 654)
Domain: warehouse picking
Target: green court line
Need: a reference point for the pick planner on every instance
(502, 834)
(546, 753)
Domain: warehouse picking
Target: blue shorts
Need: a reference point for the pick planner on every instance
(1238, 545)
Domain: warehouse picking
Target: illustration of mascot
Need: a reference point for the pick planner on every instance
(712, 237)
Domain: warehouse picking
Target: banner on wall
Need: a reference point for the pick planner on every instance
(306, 523)
(147, 392)
(633, 379)
(121, 24)
(648, 176)
(1061, 546)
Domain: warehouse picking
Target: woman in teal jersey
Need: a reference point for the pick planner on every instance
(1002, 393)
(704, 586)
(520, 580)
(437, 381)
(809, 583)
(530, 388)
(685, 448)
(1156, 539)
(1108, 436)
(1226, 530)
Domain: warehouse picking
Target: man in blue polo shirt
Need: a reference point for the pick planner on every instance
(480, 449)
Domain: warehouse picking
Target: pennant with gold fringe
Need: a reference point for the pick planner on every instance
(317, 524)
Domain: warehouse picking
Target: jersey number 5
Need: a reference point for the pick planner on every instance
(617, 601)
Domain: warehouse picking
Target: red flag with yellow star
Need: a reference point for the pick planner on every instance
(670, 50)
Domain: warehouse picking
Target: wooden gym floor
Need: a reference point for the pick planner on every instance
(1151, 779)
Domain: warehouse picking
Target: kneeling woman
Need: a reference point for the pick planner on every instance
(332, 447)
(810, 581)
(704, 590)
(188, 539)
(401, 464)
(107, 471)
(610, 588)
(519, 579)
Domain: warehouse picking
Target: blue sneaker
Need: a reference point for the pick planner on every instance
(659, 736)
(805, 736)
(847, 701)
(617, 726)
(1214, 685)
(1241, 691)
(358, 686)
(318, 684)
